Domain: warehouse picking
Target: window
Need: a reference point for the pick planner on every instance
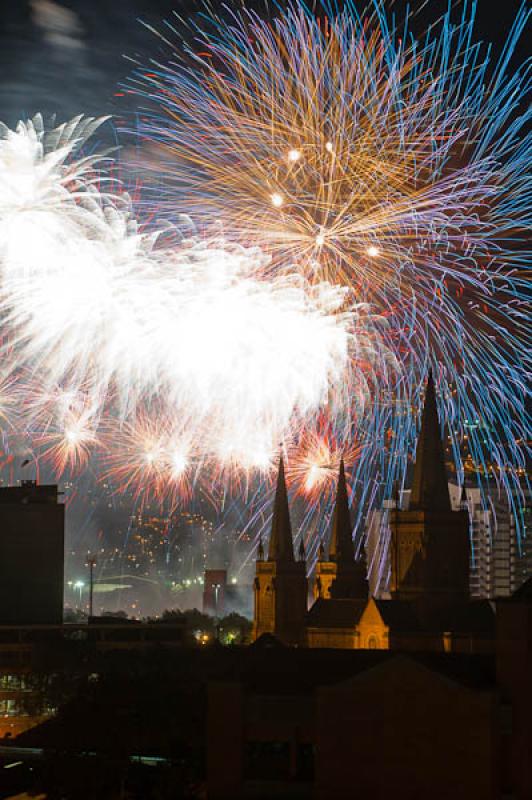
(267, 761)
(373, 642)
(8, 708)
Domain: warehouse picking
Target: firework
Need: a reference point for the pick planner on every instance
(336, 206)
(159, 341)
(352, 153)
(314, 462)
(150, 457)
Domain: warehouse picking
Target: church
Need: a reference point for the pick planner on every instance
(429, 607)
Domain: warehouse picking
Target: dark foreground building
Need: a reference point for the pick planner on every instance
(32, 532)
(344, 724)
(271, 721)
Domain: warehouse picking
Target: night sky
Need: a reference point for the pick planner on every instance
(68, 56)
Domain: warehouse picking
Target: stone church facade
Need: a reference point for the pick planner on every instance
(430, 608)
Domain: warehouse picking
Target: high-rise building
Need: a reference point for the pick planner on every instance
(214, 589)
(32, 527)
(493, 543)
(523, 559)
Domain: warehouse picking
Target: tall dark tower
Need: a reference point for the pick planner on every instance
(32, 533)
(280, 581)
(341, 576)
(430, 542)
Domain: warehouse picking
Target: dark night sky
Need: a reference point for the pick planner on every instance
(67, 56)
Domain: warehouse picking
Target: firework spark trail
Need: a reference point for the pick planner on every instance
(163, 350)
(353, 153)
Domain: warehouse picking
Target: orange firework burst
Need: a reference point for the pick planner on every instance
(313, 466)
(151, 457)
(69, 447)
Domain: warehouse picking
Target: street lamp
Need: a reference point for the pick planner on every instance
(216, 587)
(91, 563)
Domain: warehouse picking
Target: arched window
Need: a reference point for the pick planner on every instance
(373, 642)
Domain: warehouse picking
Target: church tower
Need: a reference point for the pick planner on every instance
(280, 580)
(341, 577)
(429, 541)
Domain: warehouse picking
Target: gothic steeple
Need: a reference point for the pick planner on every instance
(429, 487)
(347, 579)
(341, 545)
(281, 589)
(281, 547)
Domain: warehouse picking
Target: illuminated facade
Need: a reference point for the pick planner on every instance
(428, 608)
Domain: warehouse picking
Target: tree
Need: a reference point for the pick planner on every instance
(234, 629)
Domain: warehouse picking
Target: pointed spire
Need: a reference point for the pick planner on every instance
(321, 553)
(261, 550)
(281, 545)
(341, 544)
(429, 486)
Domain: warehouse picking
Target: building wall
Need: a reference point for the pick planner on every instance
(264, 600)
(396, 729)
(31, 556)
(281, 594)
(324, 576)
(340, 638)
(378, 551)
(493, 544)
(399, 725)
(514, 676)
(523, 565)
(429, 555)
(373, 634)
(225, 740)
(258, 746)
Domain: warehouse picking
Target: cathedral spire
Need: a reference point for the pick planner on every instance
(281, 545)
(341, 545)
(429, 487)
